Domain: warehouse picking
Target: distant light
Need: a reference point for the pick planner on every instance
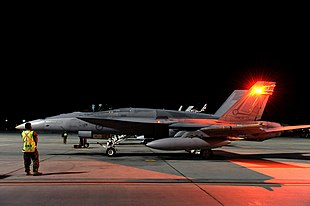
(6, 120)
(24, 120)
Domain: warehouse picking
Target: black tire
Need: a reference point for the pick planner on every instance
(206, 153)
(110, 152)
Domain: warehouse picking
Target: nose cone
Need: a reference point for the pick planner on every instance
(20, 126)
(35, 124)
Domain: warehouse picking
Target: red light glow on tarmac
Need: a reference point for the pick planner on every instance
(281, 172)
(292, 178)
(293, 195)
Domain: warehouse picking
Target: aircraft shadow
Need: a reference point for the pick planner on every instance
(217, 155)
(61, 173)
(140, 154)
(4, 176)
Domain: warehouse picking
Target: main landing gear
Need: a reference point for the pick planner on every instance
(83, 143)
(204, 153)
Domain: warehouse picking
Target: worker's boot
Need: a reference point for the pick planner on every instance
(37, 173)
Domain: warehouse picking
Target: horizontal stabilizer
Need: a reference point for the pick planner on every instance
(286, 128)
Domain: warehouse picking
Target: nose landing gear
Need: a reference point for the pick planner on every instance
(110, 145)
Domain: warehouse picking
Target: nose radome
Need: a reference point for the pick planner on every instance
(20, 126)
(36, 124)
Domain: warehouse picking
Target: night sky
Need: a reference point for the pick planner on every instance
(59, 72)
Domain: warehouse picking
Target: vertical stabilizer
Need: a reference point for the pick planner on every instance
(251, 106)
(232, 99)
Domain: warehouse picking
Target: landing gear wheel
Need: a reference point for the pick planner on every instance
(206, 153)
(86, 145)
(110, 151)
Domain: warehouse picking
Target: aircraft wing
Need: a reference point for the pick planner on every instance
(133, 126)
(105, 121)
(172, 123)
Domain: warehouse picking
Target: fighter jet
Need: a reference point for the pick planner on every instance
(199, 133)
(115, 133)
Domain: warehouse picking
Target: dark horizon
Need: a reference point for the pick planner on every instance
(61, 76)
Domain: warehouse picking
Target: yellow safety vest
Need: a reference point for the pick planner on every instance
(29, 142)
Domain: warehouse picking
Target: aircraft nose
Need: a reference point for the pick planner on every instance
(36, 125)
(20, 126)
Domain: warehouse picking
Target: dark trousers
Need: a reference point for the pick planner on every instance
(34, 157)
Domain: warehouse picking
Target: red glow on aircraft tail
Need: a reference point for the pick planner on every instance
(262, 87)
(252, 105)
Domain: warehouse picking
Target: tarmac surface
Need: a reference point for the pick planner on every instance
(272, 172)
